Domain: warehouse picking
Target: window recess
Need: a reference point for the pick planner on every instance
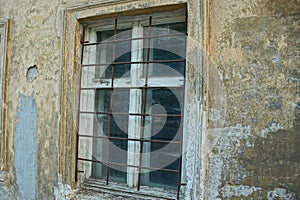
(131, 100)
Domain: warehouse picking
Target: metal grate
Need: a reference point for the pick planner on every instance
(144, 89)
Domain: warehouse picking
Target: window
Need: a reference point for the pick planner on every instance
(131, 100)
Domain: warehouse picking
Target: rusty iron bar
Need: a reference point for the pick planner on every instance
(135, 62)
(132, 114)
(144, 102)
(86, 43)
(130, 139)
(126, 165)
(182, 113)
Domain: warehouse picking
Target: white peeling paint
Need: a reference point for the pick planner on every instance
(281, 193)
(215, 115)
(273, 128)
(62, 191)
(223, 148)
(238, 191)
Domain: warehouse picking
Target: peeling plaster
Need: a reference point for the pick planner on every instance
(223, 150)
(273, 128)
(238, 191)
(62, 191)
(281, 193)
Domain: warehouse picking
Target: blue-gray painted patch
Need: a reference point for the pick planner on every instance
(26, 147)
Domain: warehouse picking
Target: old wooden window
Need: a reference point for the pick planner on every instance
(132, 99)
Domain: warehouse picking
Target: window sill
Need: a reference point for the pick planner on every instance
(120, 191)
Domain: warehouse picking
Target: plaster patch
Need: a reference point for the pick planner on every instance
(215, 115)
(26, 148)
(273, 128)
(222, 150)
(281, 193)
(62, 191)
(238, 191)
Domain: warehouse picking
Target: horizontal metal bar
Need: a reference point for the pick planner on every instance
(136, 62)
(125, 165)
(130, 114)
(132, 139)
(86, 43)
(126, 88)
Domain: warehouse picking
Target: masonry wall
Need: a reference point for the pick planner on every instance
(253, 127)
(252, 137)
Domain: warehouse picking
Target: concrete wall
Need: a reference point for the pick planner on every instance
(251, 51)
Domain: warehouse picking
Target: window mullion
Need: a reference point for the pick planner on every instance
(135, 106)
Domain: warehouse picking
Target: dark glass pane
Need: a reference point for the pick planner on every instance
(104, 36)
(101, 125)
(99, 170)
(120, 100)
(168, 48)
(118, 151)
(117, 173)
(119, 126)
(103, 72)
(167, 29)
(123, 53)
(170, 69)
(102, 100)
(164, 101)
(124, 34)
(104, 53)
(163, 179)
(165, 128)
(122, 70)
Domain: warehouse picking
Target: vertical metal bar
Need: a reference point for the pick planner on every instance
(112, 86)
(144, 103)
(79, 102)
(182, 111)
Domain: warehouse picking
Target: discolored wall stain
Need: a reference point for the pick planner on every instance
(26, 148)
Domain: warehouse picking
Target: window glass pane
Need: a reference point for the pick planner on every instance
(104, 53)
(160, 179)
(117, 173)
(99, 170)
(123, 51)
(101, 125)
(162, 155)
(119, 126)
(102, 100)
(120, 100)
(164, 101)
(118, 151)
(166, 69)
(125, 33)
(168, 48)
(168, 29)
(165, 128)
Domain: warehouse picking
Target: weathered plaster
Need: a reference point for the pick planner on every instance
(252, 65)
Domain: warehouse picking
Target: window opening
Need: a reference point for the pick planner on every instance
(131, 100)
